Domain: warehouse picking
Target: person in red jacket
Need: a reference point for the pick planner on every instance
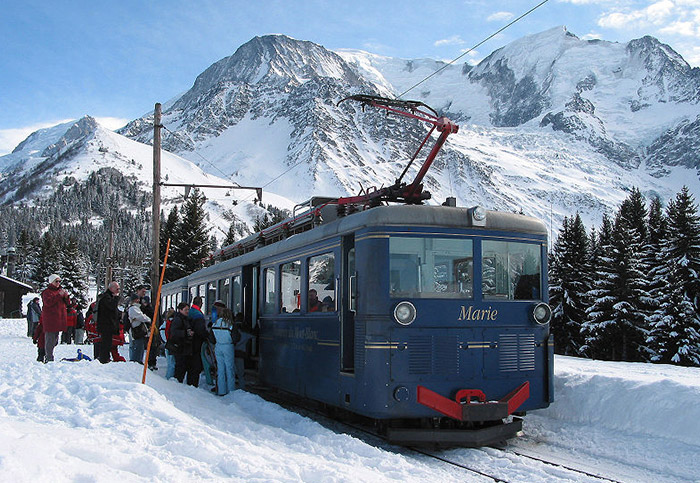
(55, 301)
(71, 319)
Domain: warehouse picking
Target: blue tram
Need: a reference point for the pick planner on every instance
(432, 321)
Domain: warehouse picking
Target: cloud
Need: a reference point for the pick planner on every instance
(659, 14)
(687, 29)
(672, 21)
(454, 40)
(499, 16)
(592, 36)
(10, 138)
(112, 122)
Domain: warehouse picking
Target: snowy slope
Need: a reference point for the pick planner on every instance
(72, 151)
(549, 125)
(88, 422)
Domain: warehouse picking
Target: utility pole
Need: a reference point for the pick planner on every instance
(110, 254)
(156, 199)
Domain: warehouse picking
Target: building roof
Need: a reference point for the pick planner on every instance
(12, 280)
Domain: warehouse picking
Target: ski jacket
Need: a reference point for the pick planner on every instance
(136, 316)
(178, 334)
(33, 311)
(222, 331)
(108, 313)
(55, 301)
(71, 317)
(38, 336)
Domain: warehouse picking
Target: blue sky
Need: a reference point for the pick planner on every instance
(62, 59)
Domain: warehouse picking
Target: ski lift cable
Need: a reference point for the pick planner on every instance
(473, 48)
(229, 176)
(226, 176)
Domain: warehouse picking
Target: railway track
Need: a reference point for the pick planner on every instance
(371, 437)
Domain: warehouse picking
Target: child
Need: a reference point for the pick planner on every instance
(226, 337)
(38, 338)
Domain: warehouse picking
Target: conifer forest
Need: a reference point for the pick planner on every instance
(69, 234)
(627, 290)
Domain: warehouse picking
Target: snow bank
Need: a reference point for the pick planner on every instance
(651, 399)
(85, 421)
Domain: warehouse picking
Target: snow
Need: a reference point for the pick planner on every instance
(88, 422)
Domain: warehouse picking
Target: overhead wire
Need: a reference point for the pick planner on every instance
(228, 177)
(473, 48)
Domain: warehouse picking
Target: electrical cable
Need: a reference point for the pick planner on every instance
(476, 46)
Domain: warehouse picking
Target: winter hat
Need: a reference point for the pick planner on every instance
(219, 303)
(53, 277)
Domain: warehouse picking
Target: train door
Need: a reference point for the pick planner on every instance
(251, 276)
(348, 291)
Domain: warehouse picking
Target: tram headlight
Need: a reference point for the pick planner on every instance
(478, 216)
(542, 313)
(405, 313)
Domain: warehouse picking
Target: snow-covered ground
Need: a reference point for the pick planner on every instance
(85, 422)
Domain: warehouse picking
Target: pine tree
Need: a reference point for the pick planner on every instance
(168, 231)
(634, 282)
(569, 278)
(192, 246)
(74, 275)
(48, 260)
(658, 272)
(230, 235)
(629, 292)
(598, 331)
(676, 330)
(27, 259)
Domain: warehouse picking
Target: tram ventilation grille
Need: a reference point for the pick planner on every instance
(433, 355)
(420, 360)
(360, 331)
(516, 352)
(446, 355)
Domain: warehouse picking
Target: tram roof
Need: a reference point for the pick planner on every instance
(393, 215)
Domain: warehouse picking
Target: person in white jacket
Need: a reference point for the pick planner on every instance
(139, 329)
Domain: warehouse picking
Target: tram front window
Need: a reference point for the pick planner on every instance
(511, 270)
(431, 267)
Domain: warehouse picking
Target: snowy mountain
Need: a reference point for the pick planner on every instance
(69, 153)
(549, 125)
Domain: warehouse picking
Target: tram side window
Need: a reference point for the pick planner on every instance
(269, 292)
(203, 293)
(322, 281)
(211, 297)
(193, 293)
(237, 297)
(511, 270)
(290, 286)
(431, 267)
(225, 290)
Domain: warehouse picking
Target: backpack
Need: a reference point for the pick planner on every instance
(125, 319)
(235, 334)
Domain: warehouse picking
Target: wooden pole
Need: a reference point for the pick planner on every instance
(156, 196)
(155, 313)
(110, 254)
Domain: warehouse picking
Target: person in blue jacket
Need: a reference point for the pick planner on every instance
(199, 330)
(225, 333)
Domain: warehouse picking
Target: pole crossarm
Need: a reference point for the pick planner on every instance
(258, 191)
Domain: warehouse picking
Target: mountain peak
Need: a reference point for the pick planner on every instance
(78, 131)
(270, 59)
